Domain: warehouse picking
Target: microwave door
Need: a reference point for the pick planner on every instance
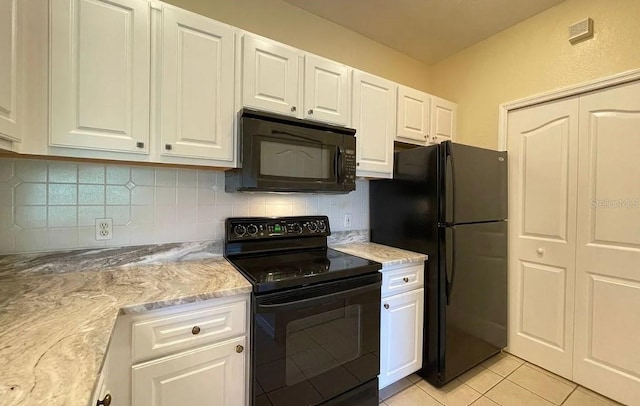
(285, 157)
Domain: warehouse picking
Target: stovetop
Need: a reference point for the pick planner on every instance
(288, 252)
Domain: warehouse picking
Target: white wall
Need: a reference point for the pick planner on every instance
(51, 205)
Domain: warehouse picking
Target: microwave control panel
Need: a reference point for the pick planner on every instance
(349, 166)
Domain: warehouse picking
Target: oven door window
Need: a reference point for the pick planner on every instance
(306, 354)
(287, 157)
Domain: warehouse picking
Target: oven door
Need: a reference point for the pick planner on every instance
(280, 156)
(313, 344)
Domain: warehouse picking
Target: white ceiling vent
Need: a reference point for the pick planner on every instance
(581, 30)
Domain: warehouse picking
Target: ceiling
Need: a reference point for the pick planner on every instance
(427, 30)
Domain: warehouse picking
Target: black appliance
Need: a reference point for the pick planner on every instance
(315, 336)
(450, 201)
(284, 154)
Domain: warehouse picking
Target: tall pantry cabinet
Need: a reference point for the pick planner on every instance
(574, 240)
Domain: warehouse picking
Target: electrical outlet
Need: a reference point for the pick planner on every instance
(347, 221)
(104, 229)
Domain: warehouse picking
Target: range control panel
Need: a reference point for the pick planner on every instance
(260, 228)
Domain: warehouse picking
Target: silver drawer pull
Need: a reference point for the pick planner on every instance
(386, 305)
(406, 280)
(195, 331)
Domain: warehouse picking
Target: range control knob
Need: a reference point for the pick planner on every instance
(322, 226)
(252, 229)
(297, 228)
(313, 227)
(239, 230)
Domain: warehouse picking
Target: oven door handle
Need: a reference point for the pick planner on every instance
(283, 303)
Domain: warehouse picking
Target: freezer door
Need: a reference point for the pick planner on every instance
(475, 183)
(475, 297)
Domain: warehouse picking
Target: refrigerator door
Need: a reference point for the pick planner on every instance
(475, 184)
(474, 302)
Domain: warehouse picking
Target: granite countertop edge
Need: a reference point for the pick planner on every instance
(386, 255)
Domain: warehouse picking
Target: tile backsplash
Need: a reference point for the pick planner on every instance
(51, 205)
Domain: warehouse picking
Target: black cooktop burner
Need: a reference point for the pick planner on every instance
(284, 270)
(277, 253)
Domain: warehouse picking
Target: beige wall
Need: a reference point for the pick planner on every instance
(534, 57)
(283, 22)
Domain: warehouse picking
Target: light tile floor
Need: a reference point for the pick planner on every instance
(502, 380)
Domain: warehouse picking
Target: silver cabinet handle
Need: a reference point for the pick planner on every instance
(310, 111)
(293, 109)
(195, 330)
(406, 280)
(386, 305)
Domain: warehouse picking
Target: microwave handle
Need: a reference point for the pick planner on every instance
(339, 164)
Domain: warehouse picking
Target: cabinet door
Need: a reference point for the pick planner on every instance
(414, 111)
(197, 86)
(543, 142)
(212, 375)
(607, 319)
(374, 113)
(401, 332)
(99, 74)
(326, 90)
(9, 31)
(270, 76)
(443, 120)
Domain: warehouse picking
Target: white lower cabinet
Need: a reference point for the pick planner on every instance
(191, 354)
(213, 375)
(401, 328)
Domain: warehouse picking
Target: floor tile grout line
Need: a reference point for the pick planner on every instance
(529, 390)
(568, 396)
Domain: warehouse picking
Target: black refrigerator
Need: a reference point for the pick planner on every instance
(449, 201)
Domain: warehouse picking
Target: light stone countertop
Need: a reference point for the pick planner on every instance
(58, 310)
(55, 324)
(384, 254)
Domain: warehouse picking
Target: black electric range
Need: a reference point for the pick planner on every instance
(315, 313)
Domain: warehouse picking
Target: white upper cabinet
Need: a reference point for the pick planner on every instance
(281, 79)
(374, 118)
(270, 76)
(100, 72)
(9, 32)
(443, 120)
(196, 86)
(326, 90)
(414, 111)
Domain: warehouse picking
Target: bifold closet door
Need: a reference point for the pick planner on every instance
(543, 147)
(607, 318)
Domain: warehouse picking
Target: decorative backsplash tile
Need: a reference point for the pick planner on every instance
(51, 205)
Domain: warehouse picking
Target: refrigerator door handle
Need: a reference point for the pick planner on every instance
(450, 182)
(449, 261)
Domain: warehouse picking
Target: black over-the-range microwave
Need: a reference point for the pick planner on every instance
(284, 154)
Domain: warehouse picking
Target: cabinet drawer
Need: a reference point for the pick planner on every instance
(403, 279)
(187, 328)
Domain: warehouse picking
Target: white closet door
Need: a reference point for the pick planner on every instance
(543, 151)
(607, 328)
(197, 86)
(100, 71)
